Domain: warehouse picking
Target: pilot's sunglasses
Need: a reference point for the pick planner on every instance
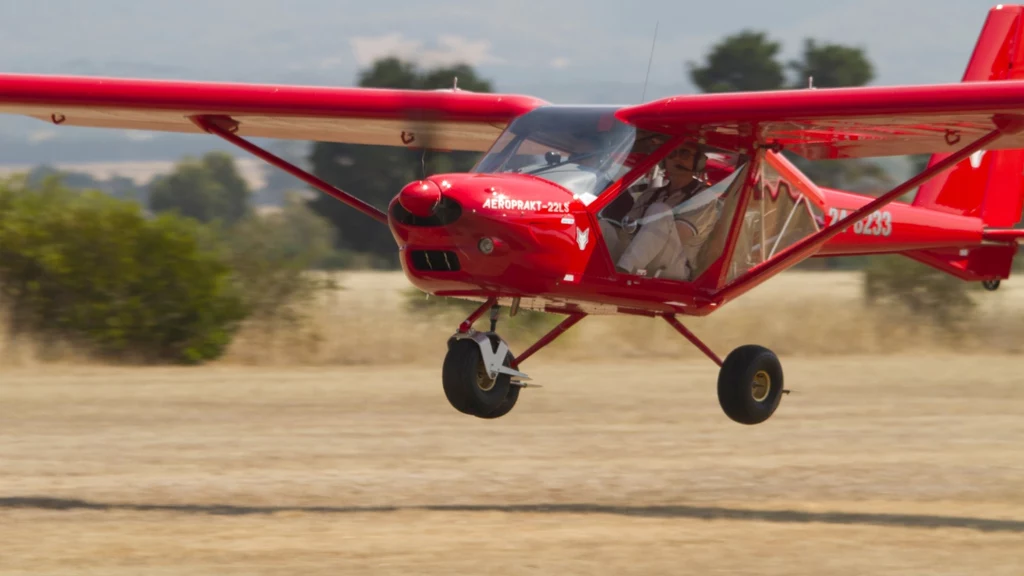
(680, 152)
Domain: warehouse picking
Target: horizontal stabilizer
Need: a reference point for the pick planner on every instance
(975, 264)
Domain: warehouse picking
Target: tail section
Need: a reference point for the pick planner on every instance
(990, 184)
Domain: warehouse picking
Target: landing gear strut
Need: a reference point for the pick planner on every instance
(480, 375)
(749, 380)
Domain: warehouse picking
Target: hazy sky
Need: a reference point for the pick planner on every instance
(593, 51)
(519, 44)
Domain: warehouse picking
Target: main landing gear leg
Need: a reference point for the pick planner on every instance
(749, 380)
(480, 375)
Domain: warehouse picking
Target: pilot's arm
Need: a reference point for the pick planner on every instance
(695, 225)
(687, 231)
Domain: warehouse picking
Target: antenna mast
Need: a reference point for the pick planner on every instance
(649, 60)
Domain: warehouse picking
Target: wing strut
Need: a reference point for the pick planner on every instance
(807, 246)
(225, 127)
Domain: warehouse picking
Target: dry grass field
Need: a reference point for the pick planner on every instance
(875, 465)
(897, 453)
(367, 322)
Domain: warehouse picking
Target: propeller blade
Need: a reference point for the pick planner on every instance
(422, 135)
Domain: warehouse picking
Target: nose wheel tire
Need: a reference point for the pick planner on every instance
(506, 405)
(468, 387)
(750, 384)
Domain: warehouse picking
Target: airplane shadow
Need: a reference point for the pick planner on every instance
(674, 511)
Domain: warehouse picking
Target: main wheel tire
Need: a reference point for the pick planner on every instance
(750, 384)
(466, 384)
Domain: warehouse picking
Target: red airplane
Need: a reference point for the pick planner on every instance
(663, 209)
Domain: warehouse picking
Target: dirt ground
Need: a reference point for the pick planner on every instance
(873, 465)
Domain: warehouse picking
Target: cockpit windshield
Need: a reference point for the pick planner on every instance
(582, 148)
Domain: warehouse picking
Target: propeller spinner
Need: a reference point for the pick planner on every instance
(420, 198)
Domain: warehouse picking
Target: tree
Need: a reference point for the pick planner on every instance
(376, 173)
(117, 186)
(832, 66)
(743, 62)
(73, 180)
(278, 183)
(207, 189)
(747, 61)
(837, 66)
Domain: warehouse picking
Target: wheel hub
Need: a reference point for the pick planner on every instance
(483, 381)
(761, 386)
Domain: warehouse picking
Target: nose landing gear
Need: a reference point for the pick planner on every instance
(471, 385)
(480, 376)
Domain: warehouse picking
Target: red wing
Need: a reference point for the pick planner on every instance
(452, 120)
(842, 122)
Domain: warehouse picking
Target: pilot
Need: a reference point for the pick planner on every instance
(669, 232)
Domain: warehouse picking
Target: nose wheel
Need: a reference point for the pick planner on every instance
(470, 386)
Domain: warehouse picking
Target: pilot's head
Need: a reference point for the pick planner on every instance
(684, 163)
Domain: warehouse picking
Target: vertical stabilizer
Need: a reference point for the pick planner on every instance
(989, 185)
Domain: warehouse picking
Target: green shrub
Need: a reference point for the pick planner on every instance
(93, 269)
(271, 256)
(921, 290)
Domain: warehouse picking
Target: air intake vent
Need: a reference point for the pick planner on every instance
(448, 211)
(435, 260)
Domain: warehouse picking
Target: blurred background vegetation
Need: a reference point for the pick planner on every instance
(169, 270)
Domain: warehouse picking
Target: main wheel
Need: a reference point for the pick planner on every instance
(991, 285)
(467, 386)
(750, 384)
